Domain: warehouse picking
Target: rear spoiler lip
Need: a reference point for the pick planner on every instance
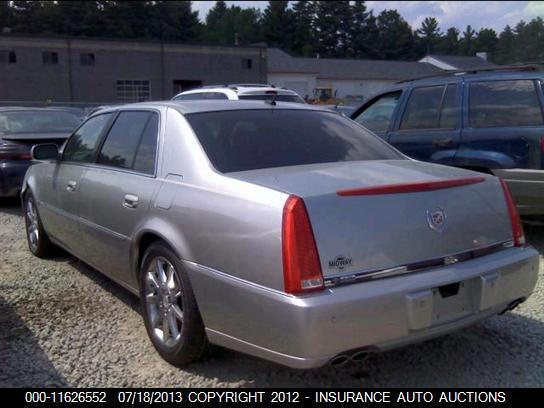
(414, 187)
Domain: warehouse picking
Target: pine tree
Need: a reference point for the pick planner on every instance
(304, 38)
(396, 37)
(449, 43)
(333, 21)
(506, 52)
(486, 41)
(429, 34)
(467, 42)
(278, 25)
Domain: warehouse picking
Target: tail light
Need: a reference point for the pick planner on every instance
(515, 220)
(14, 152)
(301, 267)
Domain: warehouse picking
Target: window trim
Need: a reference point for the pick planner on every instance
(94, 163)
(468, 85)
(443, 96)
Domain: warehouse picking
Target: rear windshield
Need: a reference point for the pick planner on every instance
(257, 139)
(268, 97)
(38, 122)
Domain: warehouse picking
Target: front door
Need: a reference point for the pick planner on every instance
(62, 193)
(429, 128)
(117, 191)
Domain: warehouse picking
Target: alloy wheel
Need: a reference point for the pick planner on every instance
(163, 302)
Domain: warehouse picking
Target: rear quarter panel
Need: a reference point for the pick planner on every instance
(224, 224)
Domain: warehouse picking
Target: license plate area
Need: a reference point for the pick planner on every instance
(452, 302)
(443, 304)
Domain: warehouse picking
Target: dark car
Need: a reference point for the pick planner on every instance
(20, 129)
(489, 121)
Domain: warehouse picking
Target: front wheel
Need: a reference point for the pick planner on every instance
(171, 314)
(37, 239)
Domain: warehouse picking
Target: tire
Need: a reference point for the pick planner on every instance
(36, 237)
(170, 311)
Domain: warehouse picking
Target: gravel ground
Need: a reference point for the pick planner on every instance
(64, 324)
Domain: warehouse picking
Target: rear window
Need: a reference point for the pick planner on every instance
(200, 96)
(38, 122)
(268, 97)
(257, 139)
(504, 104)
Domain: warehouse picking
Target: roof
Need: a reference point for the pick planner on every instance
(281, 62)
(461, 62)
(241, 90)
(201, 106)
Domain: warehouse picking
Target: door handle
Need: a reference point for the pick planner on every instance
(130, 201)
(443, 142)
(71, 186)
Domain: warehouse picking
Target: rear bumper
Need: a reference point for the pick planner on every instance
(527, 187)
(12, 175)
(307, 332)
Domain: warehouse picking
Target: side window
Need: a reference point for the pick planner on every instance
(377, 116)
(504, 103)
(132, 134)
(82, 144)
(423, 108)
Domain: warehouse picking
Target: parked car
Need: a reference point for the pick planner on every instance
(486, 121)
(20, 129)
(284, 231)
(236, 92)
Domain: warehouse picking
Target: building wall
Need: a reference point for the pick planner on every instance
(29, 79)
(359, 87)
(303, 84)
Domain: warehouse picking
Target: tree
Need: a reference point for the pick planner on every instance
(174, 20)
(6, 15)
(486, 41)
(449, 43)
(304, 38)
(333, 21)
(467, 42)
(530, 40)
(278, 25)
(429, 34)
(364, 33)
(395, 36)
(506, 52)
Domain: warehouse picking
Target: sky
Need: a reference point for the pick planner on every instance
(479, 14)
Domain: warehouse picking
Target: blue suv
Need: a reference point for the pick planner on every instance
(488, 121)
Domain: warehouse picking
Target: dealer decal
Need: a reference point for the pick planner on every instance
(340, 262)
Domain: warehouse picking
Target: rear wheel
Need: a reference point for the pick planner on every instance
(37, 239)
(171, 315)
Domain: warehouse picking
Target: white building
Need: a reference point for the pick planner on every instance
(349, 78)
(458, 63)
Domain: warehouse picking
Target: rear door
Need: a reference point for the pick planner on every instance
(117, 190)
(377, 114)
(62, 190)
(429, 127)
(503, 124)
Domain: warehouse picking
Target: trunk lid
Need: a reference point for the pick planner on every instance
(376, 231)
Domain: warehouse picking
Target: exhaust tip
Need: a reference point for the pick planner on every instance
(513, 305)
(339, 361)
(359, 356)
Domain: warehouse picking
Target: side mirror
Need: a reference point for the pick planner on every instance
(46, 151)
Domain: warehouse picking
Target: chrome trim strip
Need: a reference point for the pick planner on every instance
(100, 228)
(336, 280)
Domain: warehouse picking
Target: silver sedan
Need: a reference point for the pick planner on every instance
(280, 230)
